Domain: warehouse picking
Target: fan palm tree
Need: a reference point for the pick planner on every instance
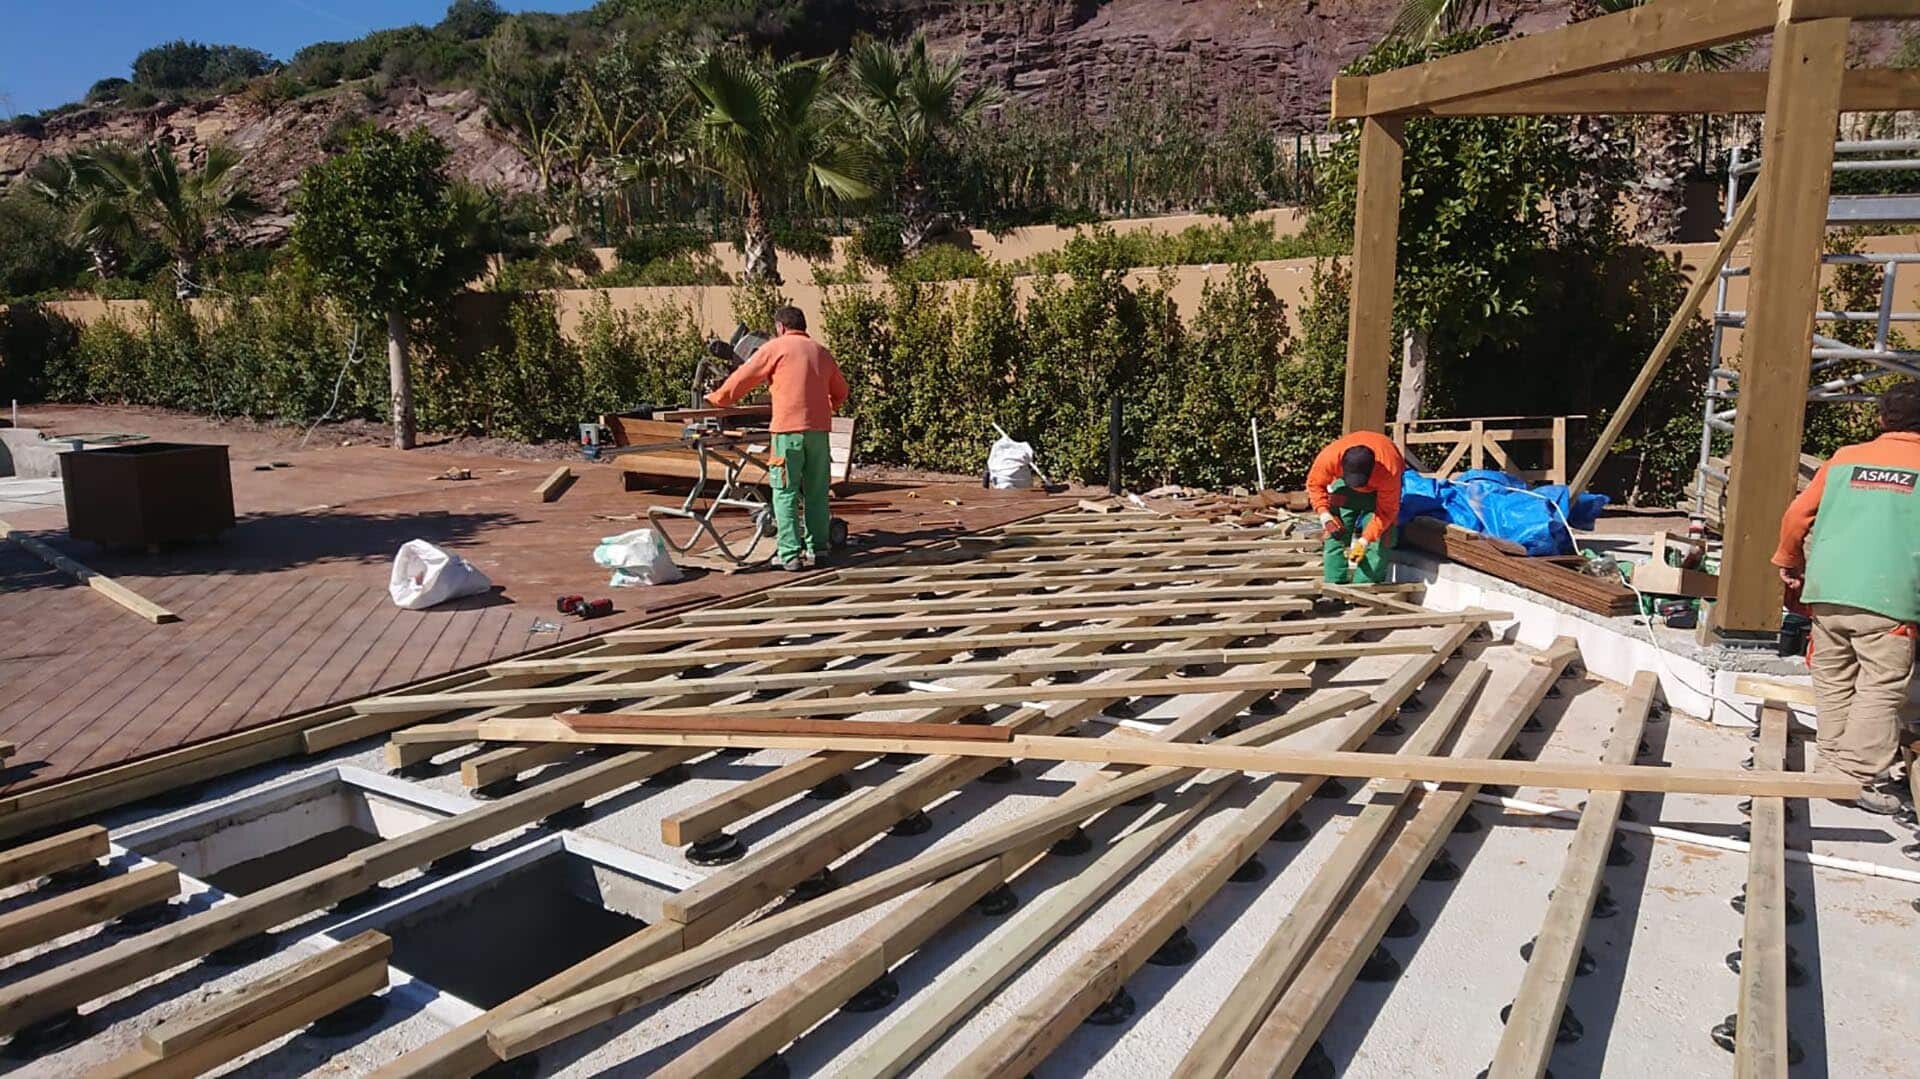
(764, 129)
(1425, 20)
(68, 183)
(905, 106)
(144, 193)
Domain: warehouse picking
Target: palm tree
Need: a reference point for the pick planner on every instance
(763, 128)
(1665, 142)
(144, 193)
(68, 183)
(1424, 20)
(905, 106)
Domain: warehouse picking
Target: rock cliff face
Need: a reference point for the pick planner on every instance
(1282, 52)
(278, 143)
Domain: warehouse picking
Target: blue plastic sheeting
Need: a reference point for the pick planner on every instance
(1501, 505)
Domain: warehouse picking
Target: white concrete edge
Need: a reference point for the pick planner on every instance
(1690, 687)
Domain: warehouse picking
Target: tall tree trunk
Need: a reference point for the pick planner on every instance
(916, 211)
(1581, 213)
(1664, 164)
(399, 381)
(1413, 376)
(106, 261)
(763, 262)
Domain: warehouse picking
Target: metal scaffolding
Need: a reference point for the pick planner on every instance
(1723, 383)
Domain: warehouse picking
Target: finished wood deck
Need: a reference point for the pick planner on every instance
(289, 611)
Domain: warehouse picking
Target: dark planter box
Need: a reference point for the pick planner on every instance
(147, 493)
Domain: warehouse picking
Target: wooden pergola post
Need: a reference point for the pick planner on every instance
(1376, 237)
(1796, 167)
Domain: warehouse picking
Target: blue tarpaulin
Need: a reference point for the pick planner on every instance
(1501, 505)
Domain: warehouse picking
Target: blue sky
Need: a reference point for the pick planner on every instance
(52, 50)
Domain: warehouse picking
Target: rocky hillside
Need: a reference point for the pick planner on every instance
(281, 141)
(1088, 53)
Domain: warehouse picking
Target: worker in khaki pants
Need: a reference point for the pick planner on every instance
(1851, 543)
(807, 389)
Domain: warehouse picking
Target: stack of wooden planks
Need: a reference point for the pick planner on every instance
(1559, 578)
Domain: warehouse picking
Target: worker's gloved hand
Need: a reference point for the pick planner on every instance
(1330, 525)
(1358, 551)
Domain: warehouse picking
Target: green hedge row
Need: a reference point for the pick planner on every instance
(933, 367)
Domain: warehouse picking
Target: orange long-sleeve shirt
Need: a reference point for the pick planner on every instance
(1383, 485)
(1894, 449)
(808, 387)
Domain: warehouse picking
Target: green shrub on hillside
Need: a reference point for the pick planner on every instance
(191, 65)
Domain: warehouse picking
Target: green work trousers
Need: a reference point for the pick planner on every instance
(799, 472)
(1354, 509)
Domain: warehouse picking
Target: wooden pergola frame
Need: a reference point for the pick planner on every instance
(1572, 71)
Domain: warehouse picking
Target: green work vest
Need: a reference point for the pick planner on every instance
(1865, 548)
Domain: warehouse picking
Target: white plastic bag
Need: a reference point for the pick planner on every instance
(424, 576)
(1010, 464)
(636, 557)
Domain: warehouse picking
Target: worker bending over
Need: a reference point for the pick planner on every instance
(807, 390)
(1354, 485)
(1859, 573)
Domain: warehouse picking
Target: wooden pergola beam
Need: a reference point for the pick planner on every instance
(1789, 232)
(1808, 10)
(1647, 93)
(1661, 29)
(1376, 241)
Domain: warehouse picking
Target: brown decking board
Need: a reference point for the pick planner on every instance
(289, 612)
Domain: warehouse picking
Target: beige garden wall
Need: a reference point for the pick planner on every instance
(1010, 246)
(712, 305)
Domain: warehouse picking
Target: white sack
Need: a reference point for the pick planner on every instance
(636, 557)
(425, 575)
(1010, 464)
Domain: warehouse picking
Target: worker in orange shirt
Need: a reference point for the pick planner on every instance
(1354, 485)
(808, 389)
(1851, 544)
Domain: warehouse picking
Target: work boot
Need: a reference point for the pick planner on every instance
(796, 564)
(1876, 802)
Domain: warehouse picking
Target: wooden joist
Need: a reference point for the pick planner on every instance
(546, 1025)
(554, 485)
(1021, 1043)
(851, 705)
(978, 618)
(1533, 1024)
(99, 582)
(1270, 971)
(1309, 1001)
(1761, 1046)
(100, 973)
(70, 912)
(751, 1036)
(31, 861)
(827, 727)
(1038, 603)
(1349, 765)
(1035, 639)
(247, 1018)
